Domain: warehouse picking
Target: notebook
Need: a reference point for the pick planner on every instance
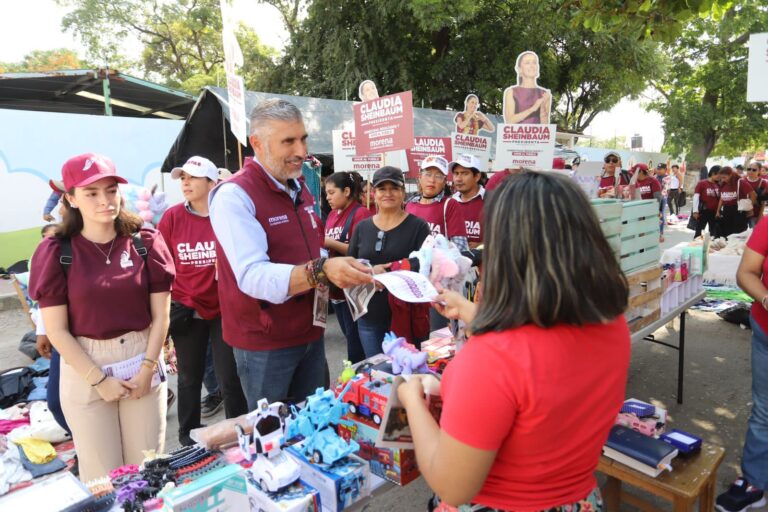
(126, 370)
(645, 454)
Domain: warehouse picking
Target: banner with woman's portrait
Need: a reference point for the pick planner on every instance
(466, 137)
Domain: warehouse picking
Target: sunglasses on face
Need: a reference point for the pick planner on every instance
(755, 169)
(381, 237)
(611, 160)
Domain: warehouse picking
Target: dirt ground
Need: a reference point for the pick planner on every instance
(717, 396)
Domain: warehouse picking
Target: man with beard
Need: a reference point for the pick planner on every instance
(270, 269)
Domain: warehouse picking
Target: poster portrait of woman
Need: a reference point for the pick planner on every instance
(470, 121)
(367, 91)
(527, 102)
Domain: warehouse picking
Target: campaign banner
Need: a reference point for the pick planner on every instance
(478, 145)
(527, 102)
(525, 145)
(236, 100)
(424, 147)
(757, 72)
(344, 158)
(384, 124)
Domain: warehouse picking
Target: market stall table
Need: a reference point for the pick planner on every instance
(646, 333)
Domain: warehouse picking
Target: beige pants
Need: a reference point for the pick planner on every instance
(108, 435)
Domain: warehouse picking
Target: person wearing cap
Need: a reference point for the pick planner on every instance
(469, 195)
(195, 312)
(645, 186)
(609, 183)
(103, 284)
(57, 189)
(386, 240)
(270, 265)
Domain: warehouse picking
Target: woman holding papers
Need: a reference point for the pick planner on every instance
(103, 285)
(386, 240)
(529, 400)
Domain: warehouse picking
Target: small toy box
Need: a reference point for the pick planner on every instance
(220, 490)
(642, 417)
(440, 352)
(686, 444)
(297, 497)
(396, 465)
(340, 485)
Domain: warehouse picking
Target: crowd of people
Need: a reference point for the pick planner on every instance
(246, 265)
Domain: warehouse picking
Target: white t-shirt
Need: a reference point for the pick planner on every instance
(674, 183)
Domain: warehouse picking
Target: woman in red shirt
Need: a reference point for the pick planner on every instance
(342, 191)
(105, 304)
(529, 400)
(760, 186)
(732, 190)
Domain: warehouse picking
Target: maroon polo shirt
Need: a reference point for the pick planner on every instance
(440, 216)
(103, 300)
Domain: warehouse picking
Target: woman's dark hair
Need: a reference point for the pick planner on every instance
(47, 228)
(352, 181)
(126, 223)
(714, 170)
(546, 261)
(731, 176)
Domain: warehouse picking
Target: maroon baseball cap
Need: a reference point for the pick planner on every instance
(82, 170)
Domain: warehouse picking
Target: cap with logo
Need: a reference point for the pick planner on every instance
(197, 167)
(467, 161)
(611, 153)
(435, 161)
(57, 186)
(388, 173)
(82, 170)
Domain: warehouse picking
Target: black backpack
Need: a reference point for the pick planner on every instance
(15, 385)
(66, 250)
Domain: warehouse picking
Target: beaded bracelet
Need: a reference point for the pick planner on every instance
(310, 274)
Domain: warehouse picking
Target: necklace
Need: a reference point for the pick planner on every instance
(108, 253)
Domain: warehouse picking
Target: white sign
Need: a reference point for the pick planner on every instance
(525, 145)
(757, 75)
(344, 158)
(407, 286)
(236, 101)
(478, 145)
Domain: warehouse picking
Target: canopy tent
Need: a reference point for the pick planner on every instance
(207, 132)
(98, 92)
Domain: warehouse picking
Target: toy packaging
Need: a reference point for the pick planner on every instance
(220, 490)
(642, 417)
(393, 464)
(395, 431)
(341, 484)
(298, 497)
(686, 443)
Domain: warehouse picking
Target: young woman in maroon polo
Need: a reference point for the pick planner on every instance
(343, 194)
(732, 189)
(109, 306)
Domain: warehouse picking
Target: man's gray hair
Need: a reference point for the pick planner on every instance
(273, 109)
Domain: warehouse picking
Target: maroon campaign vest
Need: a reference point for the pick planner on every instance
(254, 324)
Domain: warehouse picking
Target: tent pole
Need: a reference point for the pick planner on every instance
(240, 153)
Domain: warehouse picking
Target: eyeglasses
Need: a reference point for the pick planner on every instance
(432, 175)
(611, 160)
(381, 237)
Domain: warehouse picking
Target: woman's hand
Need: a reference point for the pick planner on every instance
(43, 346)
(455, 306)
(380, 269)
(142, 382)
(113, 389)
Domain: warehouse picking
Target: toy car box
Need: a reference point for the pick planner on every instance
(297, 497)
(341, 484)
(396, 465)
(221, 489)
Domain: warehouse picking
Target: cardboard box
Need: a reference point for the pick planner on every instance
(299, 497)
(340, 485)
(396, 465)
(220, 490)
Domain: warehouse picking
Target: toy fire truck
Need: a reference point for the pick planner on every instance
(366, 397)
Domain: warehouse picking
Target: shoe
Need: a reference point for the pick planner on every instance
(185, 440)
(739, 497)
(211, 404)
(171, 398)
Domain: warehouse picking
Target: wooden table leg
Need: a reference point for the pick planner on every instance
(682, 504)
(707, 498)
(612, 494)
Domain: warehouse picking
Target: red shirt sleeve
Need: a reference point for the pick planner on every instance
(160, 267)
(758, 241)
(454, 219)
(700, 188)
(47, 281)
(478, 408)
(745, 188)
(165, 227)
(655, 187)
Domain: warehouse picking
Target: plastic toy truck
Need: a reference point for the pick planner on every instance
(366, 397)
(271, 468)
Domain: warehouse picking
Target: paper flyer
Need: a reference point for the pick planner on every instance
(407, 286)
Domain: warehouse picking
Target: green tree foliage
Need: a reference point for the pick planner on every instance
(703, 95)
(659, 20)
(444, 50)
(180, 40)
(45, 60)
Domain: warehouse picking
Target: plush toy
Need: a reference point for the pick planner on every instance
(147, 204)
(442, 262)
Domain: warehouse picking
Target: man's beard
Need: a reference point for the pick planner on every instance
(279, 168)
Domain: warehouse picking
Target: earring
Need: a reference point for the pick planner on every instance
(73, 206)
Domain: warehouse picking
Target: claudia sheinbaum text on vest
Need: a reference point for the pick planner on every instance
(270, 262)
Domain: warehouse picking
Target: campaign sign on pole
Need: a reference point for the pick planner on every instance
(757, 73)
(525, 145)
(422, 148)
(478, 145)
(344, 158)
(384, 124)
(236, 100)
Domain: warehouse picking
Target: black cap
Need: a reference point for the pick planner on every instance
(388, 173)
(661, 166)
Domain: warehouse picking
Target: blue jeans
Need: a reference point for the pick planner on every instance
(371, 335)
(52, 392)
(288, 374)
(209, 378)
(754, 459)
(355, 351)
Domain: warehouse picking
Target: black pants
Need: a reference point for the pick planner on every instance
(674, 201)
(191, 348)
(732, 221)
(707, 218)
